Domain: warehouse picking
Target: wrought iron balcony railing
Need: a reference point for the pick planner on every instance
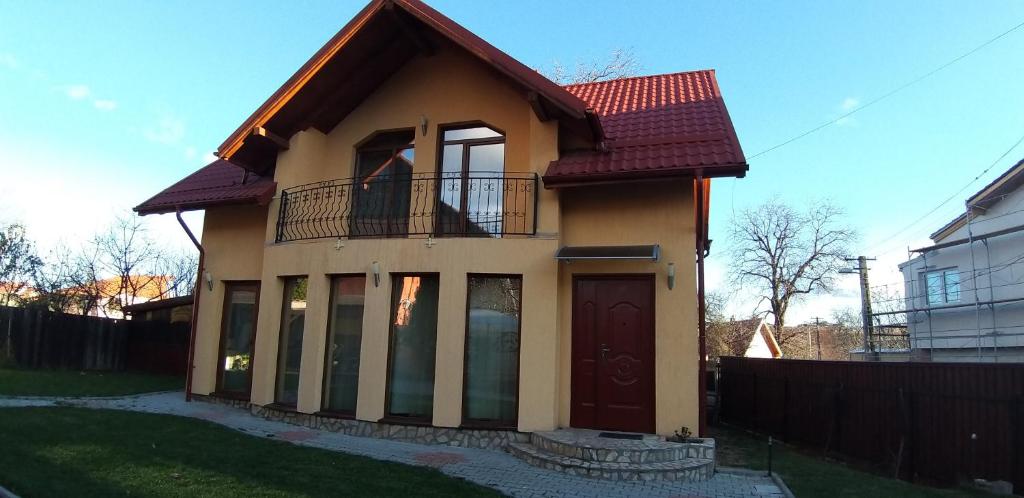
(477, 204)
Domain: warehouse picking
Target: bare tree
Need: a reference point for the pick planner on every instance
(621, 63)
(180, 270)
(787, 254)
(18, 263)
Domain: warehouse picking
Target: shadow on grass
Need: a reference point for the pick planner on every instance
(85, 453)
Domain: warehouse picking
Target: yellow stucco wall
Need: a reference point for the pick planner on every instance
(641, 213)
(452, 88)
(233, 241)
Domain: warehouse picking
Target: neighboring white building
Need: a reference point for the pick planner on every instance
(965, 293)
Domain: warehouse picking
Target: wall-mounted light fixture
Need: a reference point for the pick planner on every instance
(209, 281)
(375, 268)
(671, 275)
(423, 125)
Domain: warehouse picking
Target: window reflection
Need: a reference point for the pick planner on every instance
(492, 350)
(471, 197)
(383, 189)
(289, 346)
(413, 346)
(345, 333)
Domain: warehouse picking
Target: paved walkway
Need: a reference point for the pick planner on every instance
(494, 469)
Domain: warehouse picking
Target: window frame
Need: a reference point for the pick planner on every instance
(464, 174)
(281, 335)
(327, 348)
(402, 419)
(471, 423)
(393, 182)
(944, 291)
(218, 386)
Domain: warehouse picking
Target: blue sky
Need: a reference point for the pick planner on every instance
(104, 103)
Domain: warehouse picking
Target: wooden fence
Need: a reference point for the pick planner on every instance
(936, 422)
(36, 338)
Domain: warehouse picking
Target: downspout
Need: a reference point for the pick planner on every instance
(698, 203)
(195, 305)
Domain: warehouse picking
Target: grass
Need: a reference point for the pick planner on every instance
(18, 382)
(810, 475)
(98, 453)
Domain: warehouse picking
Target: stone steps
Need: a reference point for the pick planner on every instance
(586, 453)
(688, 469)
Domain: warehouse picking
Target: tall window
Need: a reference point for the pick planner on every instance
(344, 339)
(238, 329)
(471, 183)
(289, 346)
(413, 346)
(380, 204)
(943, 286)
(492, 350)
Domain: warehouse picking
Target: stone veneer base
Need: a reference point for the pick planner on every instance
(447, 436)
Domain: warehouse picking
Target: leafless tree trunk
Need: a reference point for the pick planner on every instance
(18, 263)
(787, 254)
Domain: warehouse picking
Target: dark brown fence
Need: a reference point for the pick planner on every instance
(937, 422)
(36, 338)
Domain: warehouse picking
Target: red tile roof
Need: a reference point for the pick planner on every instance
(217, 183)
(655, 126)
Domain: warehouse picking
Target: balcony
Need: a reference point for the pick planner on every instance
(475, 204)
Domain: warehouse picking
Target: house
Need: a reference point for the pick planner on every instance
(108, 296)
(170, 310)
(418, 230)
(964, 293)
(751, 338)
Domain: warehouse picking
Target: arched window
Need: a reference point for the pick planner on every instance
(380, 204)
(470, 190)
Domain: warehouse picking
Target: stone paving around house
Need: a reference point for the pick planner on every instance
(495, 469)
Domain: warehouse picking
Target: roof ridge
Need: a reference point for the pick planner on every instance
(639, 76)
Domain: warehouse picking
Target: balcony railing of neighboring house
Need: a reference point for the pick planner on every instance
(477, 204)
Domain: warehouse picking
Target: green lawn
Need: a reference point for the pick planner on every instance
(83, 453)
(809, 475)
(16, 382)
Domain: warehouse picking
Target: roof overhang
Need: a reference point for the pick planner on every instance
(369, 49)
(590, 253)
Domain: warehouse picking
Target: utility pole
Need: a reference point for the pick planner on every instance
(865, 303)
(817, 334)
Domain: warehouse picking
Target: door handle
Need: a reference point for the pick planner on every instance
(604, 351)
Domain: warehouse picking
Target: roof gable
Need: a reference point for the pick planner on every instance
(368, 50)
(217, 183)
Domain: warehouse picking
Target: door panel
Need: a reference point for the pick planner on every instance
(613, 353)
(238, 337)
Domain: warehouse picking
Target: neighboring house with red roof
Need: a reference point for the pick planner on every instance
(751, 338)
(418, 229)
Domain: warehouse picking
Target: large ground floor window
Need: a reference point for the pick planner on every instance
(344, 340)
(491, 387)
(413, 346)
(289, 346)
(238, 333)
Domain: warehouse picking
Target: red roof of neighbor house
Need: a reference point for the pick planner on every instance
(217, 183)
(656, 126)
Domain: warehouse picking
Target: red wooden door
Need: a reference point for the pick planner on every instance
(613, 353)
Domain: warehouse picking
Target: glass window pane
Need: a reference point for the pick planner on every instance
(952, 286)
(492, 349)
(289, 346)
(238, 334)
(413, 345)
(383, 187)
(484, 189)
(470, 134)
(450, 190)
(344, 341)
(933, 282)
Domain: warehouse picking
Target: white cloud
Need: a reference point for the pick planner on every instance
(9, 61)
(77, 92)
(849, 103)
(104, 104)
(168, 130)
(190, 152)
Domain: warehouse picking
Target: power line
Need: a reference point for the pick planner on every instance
(951, 197)
(890, 93)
